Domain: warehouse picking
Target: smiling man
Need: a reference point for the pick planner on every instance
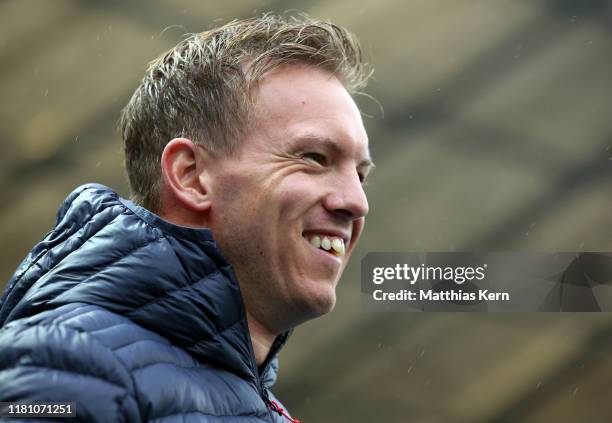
(246, 155)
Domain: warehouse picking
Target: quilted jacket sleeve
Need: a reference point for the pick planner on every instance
(54, 362)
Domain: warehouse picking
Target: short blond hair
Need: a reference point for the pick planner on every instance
(200, 89)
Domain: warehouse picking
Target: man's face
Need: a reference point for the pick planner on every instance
(295, 183)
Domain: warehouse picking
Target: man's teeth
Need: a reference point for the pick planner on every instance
(316, 241)
(338, 245)
(328, 243)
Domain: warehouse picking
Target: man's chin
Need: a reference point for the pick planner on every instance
(318, 303)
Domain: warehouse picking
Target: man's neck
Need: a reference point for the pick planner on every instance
(261, 338)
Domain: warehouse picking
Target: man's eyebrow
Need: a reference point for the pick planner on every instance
(328, 144)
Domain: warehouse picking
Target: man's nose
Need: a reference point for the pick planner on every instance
(348, 197)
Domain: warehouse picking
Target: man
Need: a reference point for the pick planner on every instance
(246, 155)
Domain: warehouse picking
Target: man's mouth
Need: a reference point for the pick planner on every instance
(331, 244)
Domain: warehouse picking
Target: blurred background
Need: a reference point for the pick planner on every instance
(496, 136)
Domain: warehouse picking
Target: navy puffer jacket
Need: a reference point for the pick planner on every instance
(132, 317)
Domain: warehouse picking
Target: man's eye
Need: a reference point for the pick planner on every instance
(316, 157)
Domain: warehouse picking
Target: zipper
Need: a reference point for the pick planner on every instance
(272, 405)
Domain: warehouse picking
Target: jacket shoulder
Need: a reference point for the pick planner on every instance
(85, 211)
(57, 356)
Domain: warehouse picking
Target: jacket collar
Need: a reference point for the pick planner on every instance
(169, 279)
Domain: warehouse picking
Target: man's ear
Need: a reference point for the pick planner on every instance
(185, 169)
